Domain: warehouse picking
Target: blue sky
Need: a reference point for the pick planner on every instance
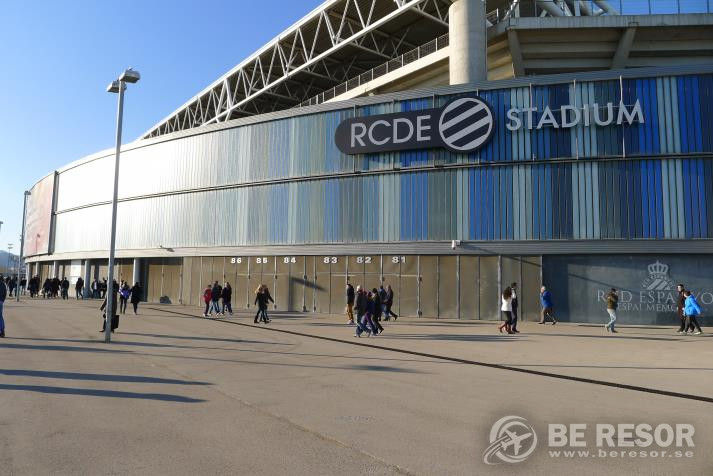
(56, 59)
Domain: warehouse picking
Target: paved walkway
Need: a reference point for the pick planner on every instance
(179, 394)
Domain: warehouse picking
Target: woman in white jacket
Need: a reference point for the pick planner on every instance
(506, 307)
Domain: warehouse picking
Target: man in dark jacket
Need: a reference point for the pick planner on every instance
(388, 302)
(227, 296)
(680, 304)
(55, 287)
(78, 287)
(361, 306)
(378, 310)
(215, 293)
(65, 288)
(350, 303)
(114, 296)
(3, 296)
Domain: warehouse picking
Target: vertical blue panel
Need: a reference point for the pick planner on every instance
(705, 101)
(609, 138)
(689, 114)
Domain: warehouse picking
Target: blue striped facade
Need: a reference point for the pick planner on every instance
(650, 180)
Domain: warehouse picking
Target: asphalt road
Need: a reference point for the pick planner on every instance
(177, 394)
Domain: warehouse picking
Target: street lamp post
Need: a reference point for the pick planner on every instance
(9, 252)
(22, 242)
(118, 86)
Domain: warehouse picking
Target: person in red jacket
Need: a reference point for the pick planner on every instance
(207, 293)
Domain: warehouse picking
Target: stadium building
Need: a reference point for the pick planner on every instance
(447, 148)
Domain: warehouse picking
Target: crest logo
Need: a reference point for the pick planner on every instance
(658, 279)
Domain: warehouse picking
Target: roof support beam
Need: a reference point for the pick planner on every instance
(515, 53)
(624, 47)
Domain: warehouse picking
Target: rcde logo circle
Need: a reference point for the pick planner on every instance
(466, 124)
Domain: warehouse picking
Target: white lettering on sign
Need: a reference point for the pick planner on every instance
(570, 116)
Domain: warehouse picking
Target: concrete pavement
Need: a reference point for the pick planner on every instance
(179, 394)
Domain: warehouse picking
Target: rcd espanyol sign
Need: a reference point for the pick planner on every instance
(463, 125)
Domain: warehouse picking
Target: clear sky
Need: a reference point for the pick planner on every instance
(57, 57)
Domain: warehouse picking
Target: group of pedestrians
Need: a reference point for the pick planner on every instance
(688, 311)
(370, 307)
(98, 288)
(131, 294)
(13, 288)
(212, 295)
(509, 306)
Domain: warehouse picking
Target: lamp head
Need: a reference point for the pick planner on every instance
(114, 87)
(130, 76)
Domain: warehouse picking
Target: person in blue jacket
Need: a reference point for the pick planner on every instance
(691, 309)
(547, 306)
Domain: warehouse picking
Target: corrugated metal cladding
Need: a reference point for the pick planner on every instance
(646, 180)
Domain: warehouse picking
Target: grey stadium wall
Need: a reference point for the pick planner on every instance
(272, 199)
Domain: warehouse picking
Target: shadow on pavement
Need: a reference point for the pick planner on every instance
(64, 348)
(375, 368)
(458, 337)
(116, 340)
(100, 393)
(632, 367)
(216, 339)
(619, 335)
(97, 377)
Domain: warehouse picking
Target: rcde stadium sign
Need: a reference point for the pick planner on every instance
(466, 124)
(463, 125)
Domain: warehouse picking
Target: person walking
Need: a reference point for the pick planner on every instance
(361, 307)
(115, 318)
(691, 310)
(32, 286)
(350, 304)
(95, 289)
(207, 293)
(370, 311)
(124, 293)
(3, 296)
(514, 303)
(547, 306)
(388, 302)
(612, 305)
(23, 286)
(11, 286)
(64, 285)
(680, 304)
(136, 295)
(215, 292)
(47, 289)
(78, 287)
(506, 308)
(262, 297)
(378, 310)
(54, 286)
(227, 296)
(382, 299)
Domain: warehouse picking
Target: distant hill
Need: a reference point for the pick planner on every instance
(3, 261)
